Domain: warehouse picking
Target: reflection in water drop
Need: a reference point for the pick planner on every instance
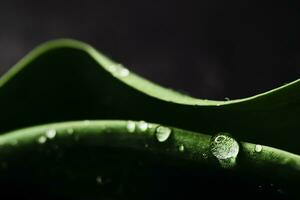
(258, 148)
(163, 133)
(130, 126)
(225, 149)
(51, 133)
(42, 139)
(143, 126)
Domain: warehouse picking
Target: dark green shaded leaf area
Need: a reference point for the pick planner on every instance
(142, 141)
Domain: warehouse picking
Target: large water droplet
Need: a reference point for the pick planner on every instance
(258, 148)
(181, 148)
(143, 126)
(163, 133)
(51, 133)
(225, 149)
(130, 126)
(42, 139)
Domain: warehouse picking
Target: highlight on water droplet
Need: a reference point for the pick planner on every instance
(181, 148)
(143, 126)
(42, 139)
(163, 133)
(51, 133)
(258, 148)
(130, 126)
(225, 149)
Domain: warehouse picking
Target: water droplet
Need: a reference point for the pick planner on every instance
(42, 139)
(119, 70)
(123, 72)
(258, 148)
(14, 142)
(51, 133)
(225, 149)
(150, 125)
(130, 126)
(146, 145)
(143, 126)
(181, 148)
(99, 180)
(227, 99)
(163, 133)
(70, 131)
(86, 122)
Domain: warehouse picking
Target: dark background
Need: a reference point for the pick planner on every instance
(209, 49)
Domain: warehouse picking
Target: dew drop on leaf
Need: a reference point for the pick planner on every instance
(143, 126)
(258, 148)
(162, 133)
(70, 131)
(130, 126)
(42, 139)
(51, 133)
(225, 149)
(181, 148)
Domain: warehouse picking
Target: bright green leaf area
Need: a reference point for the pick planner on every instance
(47, 98)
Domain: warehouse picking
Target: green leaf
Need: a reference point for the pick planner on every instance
(66, 80)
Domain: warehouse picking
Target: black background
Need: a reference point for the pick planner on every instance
(209, 49)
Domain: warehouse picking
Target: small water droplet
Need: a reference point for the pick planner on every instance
(130, 126)
(181, 148)
(123, 72)
(14, 142)
(42, 139)
(70, 131)
(163, 133)
(99, 180)
(51, 133)
(258, 148)
(146, 145)
(227, 98)
(225, 149)
(218, 104)
(119, 70)
(150, 125)
(86, 122)
(143, 126)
